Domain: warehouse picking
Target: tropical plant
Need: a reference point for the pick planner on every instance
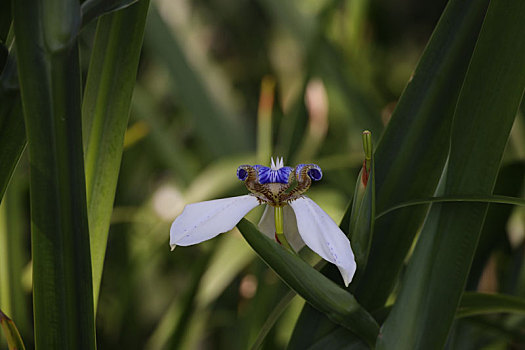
(116, 114)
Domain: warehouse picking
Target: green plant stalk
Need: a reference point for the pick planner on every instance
(279, 228)
(50, 85)
(437, 273)
(105, 113)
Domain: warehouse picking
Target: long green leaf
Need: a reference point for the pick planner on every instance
(410, 156)
(339, 305)
(50, 85)
(437, 273)
(496, 199)
(105, 113)
(483, 303)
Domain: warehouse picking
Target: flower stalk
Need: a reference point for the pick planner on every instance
(279, 229)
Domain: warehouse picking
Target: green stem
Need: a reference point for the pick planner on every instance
(279, 228)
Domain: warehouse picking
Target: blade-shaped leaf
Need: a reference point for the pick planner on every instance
(437, 272)
(482, 303)
(50, 85)
(411, 153)
(495, 199)
(105, 113)
(339, 305)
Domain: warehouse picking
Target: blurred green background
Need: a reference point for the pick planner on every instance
(202, 105)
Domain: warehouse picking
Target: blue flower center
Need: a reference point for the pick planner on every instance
(267, 175)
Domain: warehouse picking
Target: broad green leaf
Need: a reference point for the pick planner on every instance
(339, 305)
(12, 130)
(221, 131)
(50, 86)
(92, 9)
(105, 114)
(482, 303)
(436, 275)
(14, 341)
(410, 156)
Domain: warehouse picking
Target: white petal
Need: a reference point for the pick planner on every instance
(267, 226)
(267, 222)
(324, 237)
(202, 221)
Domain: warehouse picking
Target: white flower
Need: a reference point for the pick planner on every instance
(304, 221)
